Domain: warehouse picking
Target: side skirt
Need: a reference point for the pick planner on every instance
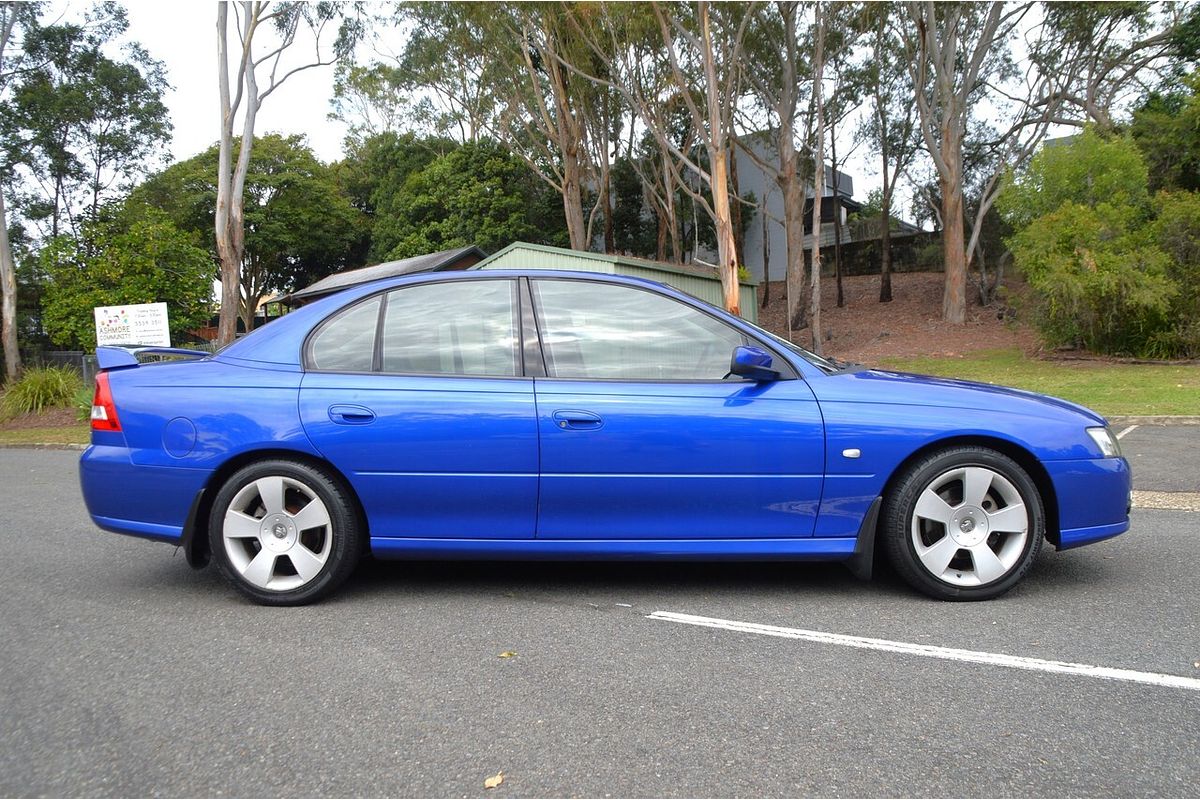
(617, 549)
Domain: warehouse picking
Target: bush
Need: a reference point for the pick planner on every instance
(1101, 283)
(83, 403)
(40, 388)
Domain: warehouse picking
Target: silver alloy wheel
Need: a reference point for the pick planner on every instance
(970, 526)
(277, 533)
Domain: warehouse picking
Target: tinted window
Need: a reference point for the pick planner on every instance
(347, 342)
(452, 328)
(602, 331)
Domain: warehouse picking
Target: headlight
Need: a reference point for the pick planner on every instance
(1104, 439)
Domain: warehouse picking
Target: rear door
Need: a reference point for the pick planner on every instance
(644, 437)
(416, 395)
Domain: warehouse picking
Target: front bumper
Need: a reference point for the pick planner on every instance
(1094, 498)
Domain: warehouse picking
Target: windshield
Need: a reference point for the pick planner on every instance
(823, 364)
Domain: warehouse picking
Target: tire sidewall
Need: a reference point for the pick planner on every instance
(902, 505)
(344, 531)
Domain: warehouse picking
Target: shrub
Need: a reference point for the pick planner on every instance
(1101, 283)
(83, 403)
(40, 388)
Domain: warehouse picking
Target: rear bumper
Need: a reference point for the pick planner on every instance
(115, 490)
(1093, 499)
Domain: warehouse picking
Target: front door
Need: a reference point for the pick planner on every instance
(644, 437)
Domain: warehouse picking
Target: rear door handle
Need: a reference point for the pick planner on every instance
(351, 415)
(577, 420)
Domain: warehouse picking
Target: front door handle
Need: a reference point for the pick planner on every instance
(351, 415)
(577, 420)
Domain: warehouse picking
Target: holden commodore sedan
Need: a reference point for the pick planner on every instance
(565, 415)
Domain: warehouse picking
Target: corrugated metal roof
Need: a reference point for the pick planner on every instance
(430, 262)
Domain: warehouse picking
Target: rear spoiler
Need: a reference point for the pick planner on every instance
(119, 356)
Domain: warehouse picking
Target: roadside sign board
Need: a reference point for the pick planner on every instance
(144, 324)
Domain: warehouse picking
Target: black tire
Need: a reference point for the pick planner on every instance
(942, 473)
(331, 550)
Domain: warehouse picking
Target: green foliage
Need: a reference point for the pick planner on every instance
(1177, 232)
(38, 389)
(129, 254)
(373, 174)
(475, 194)
(1086, 169)
(83, 123)
(83, 403)
(1112, 270)
(1167, 129)
(300, 225)
(1101, 284)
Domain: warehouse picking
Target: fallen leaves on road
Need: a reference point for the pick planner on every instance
(494, 781)
(507, 654)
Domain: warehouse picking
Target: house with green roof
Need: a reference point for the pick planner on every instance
(699, 281)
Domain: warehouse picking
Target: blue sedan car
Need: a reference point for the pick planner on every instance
(565, 415)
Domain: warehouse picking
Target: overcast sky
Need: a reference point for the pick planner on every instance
(182, 34)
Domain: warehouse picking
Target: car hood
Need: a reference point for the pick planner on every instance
(902, 388)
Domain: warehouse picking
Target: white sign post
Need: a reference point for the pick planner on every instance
(142, 324)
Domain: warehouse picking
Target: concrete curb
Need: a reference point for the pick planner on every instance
(1154, 420)
(43, 446)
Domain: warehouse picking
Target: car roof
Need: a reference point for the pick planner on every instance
(278, 344)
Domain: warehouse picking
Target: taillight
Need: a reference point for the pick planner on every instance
(104, 413)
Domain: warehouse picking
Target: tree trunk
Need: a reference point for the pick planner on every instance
(885, 249)
(718, 153)
(954, 297)
(735, 209)
(610, 242)
(837, 219)
(573, 197)
(571, 142)
(885, 220)
(818, 183)
(726, 246)
(660, 245)
(8, 301)
(766, 255)
(793, 213)
(223, 220)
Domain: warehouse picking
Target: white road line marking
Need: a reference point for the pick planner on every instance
(933, 651)
(1127, 430)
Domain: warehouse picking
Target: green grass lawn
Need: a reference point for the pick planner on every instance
(71, 434)
(1111, 389)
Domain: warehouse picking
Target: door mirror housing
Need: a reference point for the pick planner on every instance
(753, 363)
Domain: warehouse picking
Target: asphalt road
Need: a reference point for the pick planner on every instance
(123, 672)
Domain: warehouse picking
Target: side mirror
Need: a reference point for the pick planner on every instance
(753, 363)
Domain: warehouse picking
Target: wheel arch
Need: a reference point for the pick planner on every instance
(195, 535)
(1024, 458)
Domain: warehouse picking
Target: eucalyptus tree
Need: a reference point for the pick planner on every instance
(698, 48)
(254, 56)
(954, 51)
(1103, 56)
(775, 72)
(891, 124)
(18, 22)
(814, 323)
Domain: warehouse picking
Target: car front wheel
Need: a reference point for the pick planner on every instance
(284, 533)
(965, 523)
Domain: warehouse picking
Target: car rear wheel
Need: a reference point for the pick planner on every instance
(965, 523)
(284, 533)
